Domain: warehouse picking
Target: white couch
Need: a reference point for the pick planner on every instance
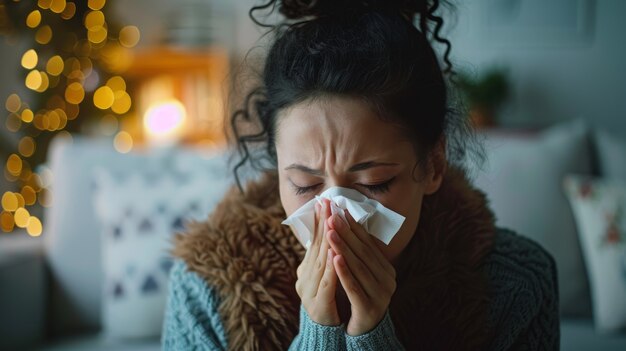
(52, 286)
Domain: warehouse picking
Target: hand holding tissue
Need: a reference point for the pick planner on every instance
(375, 218)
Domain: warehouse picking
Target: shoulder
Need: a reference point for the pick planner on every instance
(191, 314)
(523, 283)
(516, 256)
(519, 264)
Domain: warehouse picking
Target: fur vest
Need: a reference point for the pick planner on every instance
(441, 301)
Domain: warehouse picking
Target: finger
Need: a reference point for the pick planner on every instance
(359, 269)
(369, 240)
(353, 290)
(306, 269)
(319, 264)
(328, 284)
(361, 250)
(315, 239)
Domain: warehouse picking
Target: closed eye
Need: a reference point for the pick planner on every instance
(380, 187)
(373, 188)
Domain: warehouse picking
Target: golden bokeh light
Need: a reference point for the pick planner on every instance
(45, 82)
(62, 118)
(26, 173)
(57, 6)
(55, 65)
(29, 194)
(70, 11)
(44, 4)
(20, 200)
(74, 93)
(27, 115)
(21, 217)
(9, 177)
(30, 59)
(54, 121)
(129, 36)
(13, 103)
(33, 80)
(14, 164)
(71, 64)
(6, 221)
(103, 98)
(34, 227)
(123, 142)
(97, 34)
(44, 198)
(33, 19)
(45, 121)
(94, 19)
(43, 35)
(76, 75)
(38, 121)
(35, 181)
(26, 146)
(86, 66)
(116, 83)
(72, 111)
(122, 102)
(96, 4)
(115, 57)
(9, 201)
(13, 122)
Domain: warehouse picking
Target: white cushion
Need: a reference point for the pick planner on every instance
(599, 207)
(522, 181)
(140, 210)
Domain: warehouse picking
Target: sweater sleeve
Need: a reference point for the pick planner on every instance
(314, 336)
(191, 320)
(382, 337)
(525, 306)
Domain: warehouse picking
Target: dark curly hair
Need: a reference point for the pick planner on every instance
(371, 50)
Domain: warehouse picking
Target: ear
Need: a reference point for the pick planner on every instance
(437, 166)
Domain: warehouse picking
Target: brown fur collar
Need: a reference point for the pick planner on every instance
(441, 299)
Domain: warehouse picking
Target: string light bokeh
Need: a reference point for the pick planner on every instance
(73, 71)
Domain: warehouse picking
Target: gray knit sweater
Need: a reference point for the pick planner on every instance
(524, 312)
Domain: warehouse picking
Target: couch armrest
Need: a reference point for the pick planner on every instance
(22, 291)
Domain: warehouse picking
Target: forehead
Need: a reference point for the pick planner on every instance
(335, 120)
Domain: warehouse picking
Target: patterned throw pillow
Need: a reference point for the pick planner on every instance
(139, 211)
(599, 208)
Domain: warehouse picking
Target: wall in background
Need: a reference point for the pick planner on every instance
(559, 72)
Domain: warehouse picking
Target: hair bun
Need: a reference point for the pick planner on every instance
(298, 9)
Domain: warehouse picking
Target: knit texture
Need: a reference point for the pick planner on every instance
(523, 308)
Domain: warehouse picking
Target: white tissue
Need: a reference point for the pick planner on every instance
(375, 218)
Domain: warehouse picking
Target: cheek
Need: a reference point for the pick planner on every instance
(408, 205)
(290, 201)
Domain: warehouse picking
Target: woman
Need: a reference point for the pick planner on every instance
(353, 96)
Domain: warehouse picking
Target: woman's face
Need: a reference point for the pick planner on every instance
(338, 141)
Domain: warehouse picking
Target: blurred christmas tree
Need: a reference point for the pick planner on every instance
(72, 72)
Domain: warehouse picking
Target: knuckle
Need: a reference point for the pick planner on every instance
(318, 264)
(299, 287)
(299, 271)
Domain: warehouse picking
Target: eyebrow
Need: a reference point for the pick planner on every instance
(357, 167)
